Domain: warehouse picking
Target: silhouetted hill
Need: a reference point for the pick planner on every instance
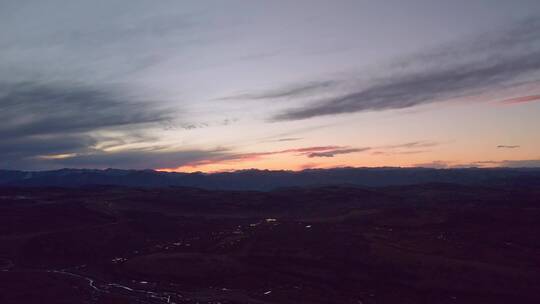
(268, 180)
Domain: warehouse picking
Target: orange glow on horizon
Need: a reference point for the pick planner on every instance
(294, 165)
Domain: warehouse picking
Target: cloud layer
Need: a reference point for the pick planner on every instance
(45, 122)
(469, 68)
(317, 151)
(228, 157)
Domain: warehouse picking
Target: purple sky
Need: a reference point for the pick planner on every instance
(223, 85)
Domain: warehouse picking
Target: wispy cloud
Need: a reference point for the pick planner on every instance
(332, 153)
(508, 146)
(521, 99)
(288, 139)
(310, 152)
(413, 145)
(520, 163)
(295, 90)
(469, 68)
(178, 125)
(228, 157)
(284, 139)
(311, 149)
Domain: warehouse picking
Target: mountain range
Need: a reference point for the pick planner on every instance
(265, 180)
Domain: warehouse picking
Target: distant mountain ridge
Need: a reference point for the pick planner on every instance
(267, 180)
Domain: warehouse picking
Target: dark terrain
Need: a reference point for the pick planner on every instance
(422, 243)
(265, 180)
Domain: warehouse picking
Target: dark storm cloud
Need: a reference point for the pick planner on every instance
(471, 68)
(297, 90)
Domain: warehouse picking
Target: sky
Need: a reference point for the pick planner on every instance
(229, 85)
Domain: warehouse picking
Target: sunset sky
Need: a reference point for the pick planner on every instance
(227, 85)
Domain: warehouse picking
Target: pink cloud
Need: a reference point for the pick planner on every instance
(242, 157)
(521, 99)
